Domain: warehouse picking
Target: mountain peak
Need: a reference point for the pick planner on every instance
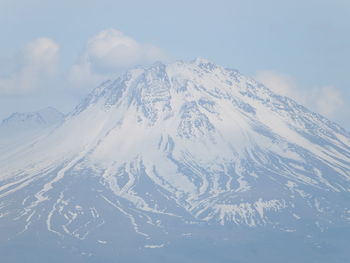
(28, 124)
(46, 115)
(201, 60)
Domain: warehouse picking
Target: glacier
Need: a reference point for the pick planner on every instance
(185, 161)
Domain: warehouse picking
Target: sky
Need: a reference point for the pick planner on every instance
(53, 53)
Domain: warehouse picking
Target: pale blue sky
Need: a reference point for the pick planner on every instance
(301, 46)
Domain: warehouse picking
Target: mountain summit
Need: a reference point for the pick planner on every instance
(181, 155)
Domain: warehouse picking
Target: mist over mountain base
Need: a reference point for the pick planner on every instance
(227, 245)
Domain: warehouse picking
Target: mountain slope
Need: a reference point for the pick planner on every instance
(179, 152)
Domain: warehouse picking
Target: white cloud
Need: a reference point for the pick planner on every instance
(329, 101)
(37, 60)
(109, 52)
(279, 83)
(325, 100)
(105, 55)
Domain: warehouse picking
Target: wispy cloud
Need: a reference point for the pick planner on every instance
(329, 101)
(279, 83)
(326, 100)
(37, 60)
(109, 52)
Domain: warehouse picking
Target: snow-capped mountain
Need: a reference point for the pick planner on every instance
(180, 155)
(24, 122)
(21, 129)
